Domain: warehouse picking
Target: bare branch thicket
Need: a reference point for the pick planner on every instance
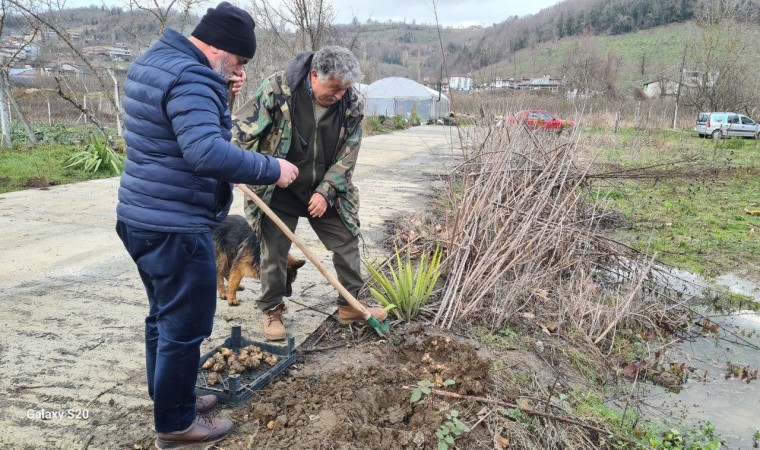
(176, 14)
(522, 236)
(297, 24)
(6, 88)
(444, 67)
(720, 76)
(71, 88)
(598, 112)
(588, 70)
(289, 27)
(36, 12)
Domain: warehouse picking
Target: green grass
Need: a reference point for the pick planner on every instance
(22, 166)
(44, 165)
(504, 338)
(648, 434)
(697, 222)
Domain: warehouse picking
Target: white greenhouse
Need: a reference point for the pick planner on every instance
(402, 96)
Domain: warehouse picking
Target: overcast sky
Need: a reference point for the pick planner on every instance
(450, 12)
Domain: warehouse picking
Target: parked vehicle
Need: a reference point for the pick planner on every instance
(726, 124)
(540, 119)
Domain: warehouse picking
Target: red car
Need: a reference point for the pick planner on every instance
(536, 118)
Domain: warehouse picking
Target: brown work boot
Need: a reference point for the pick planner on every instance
(203, 431)
(206, 404)
(348, 314)
(274, 328)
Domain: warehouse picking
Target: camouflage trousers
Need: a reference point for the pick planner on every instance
(332, 232)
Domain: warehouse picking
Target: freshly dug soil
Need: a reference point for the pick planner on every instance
(354, 390)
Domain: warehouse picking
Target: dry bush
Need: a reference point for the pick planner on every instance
(596, 112)
(42, 104)
(522, 237)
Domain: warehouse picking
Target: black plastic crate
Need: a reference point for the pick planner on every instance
(236, 389)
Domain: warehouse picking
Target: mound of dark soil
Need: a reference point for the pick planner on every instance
(38, 183)
(357, 395)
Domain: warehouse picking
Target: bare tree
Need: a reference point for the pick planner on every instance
(7, 98)
(41, 15)
(720, 78)
(36, 13)
(586, 70)
(297, 24)
(679, 88)
(177, 14)
(290, 26)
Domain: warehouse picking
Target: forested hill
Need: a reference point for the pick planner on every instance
(512, 46)
(575, 18)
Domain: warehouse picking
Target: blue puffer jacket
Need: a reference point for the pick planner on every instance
(180, 162)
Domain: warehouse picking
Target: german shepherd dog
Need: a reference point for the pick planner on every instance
(238, 255)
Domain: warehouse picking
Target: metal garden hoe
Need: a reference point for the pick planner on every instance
(382, 329)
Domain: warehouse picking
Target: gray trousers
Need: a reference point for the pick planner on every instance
(274, 256)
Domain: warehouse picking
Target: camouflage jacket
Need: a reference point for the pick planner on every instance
(264, 124)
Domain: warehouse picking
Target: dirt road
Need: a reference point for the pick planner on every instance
(72, 305)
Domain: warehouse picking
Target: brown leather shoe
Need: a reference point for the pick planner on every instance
(274, 328)
(206, 404)
(203, 431)
(348, 314)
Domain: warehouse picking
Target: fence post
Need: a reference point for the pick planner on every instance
(5, 121)
(50, 116)
(617, 120)
(119, 131)
(637, 119)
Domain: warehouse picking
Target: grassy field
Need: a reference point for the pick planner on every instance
(690, 207)
(693, 208)
(23, 167)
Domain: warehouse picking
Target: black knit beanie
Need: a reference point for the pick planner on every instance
(228, 28)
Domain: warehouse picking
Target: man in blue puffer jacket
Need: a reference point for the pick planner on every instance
(175, 189)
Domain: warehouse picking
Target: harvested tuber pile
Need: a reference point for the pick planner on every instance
(225, 360)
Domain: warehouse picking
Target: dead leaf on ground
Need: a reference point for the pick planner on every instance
(501, 442)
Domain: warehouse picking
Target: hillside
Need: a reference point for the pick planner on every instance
(641, 55)
(628, 42)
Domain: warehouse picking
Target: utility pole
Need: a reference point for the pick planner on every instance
(680, 82)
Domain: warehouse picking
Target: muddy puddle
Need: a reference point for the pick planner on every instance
(717, 391)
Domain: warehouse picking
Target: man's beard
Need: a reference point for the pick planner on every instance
(222, 68)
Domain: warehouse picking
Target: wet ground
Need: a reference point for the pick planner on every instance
(72, 309)
(715, 391)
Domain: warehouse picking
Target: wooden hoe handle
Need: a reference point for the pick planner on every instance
(312, 257)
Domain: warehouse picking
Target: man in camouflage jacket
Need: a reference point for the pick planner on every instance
(310, 116)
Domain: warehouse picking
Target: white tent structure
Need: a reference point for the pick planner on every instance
(401, 96)
(361, 87)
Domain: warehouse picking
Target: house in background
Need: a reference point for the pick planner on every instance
(22, 75)
(660, 88)
(502, 83)
(120, 53)
(460, 82)
(666, 86)
(544, 83)
(21, 51)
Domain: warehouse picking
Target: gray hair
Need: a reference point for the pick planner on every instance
(338, 63)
